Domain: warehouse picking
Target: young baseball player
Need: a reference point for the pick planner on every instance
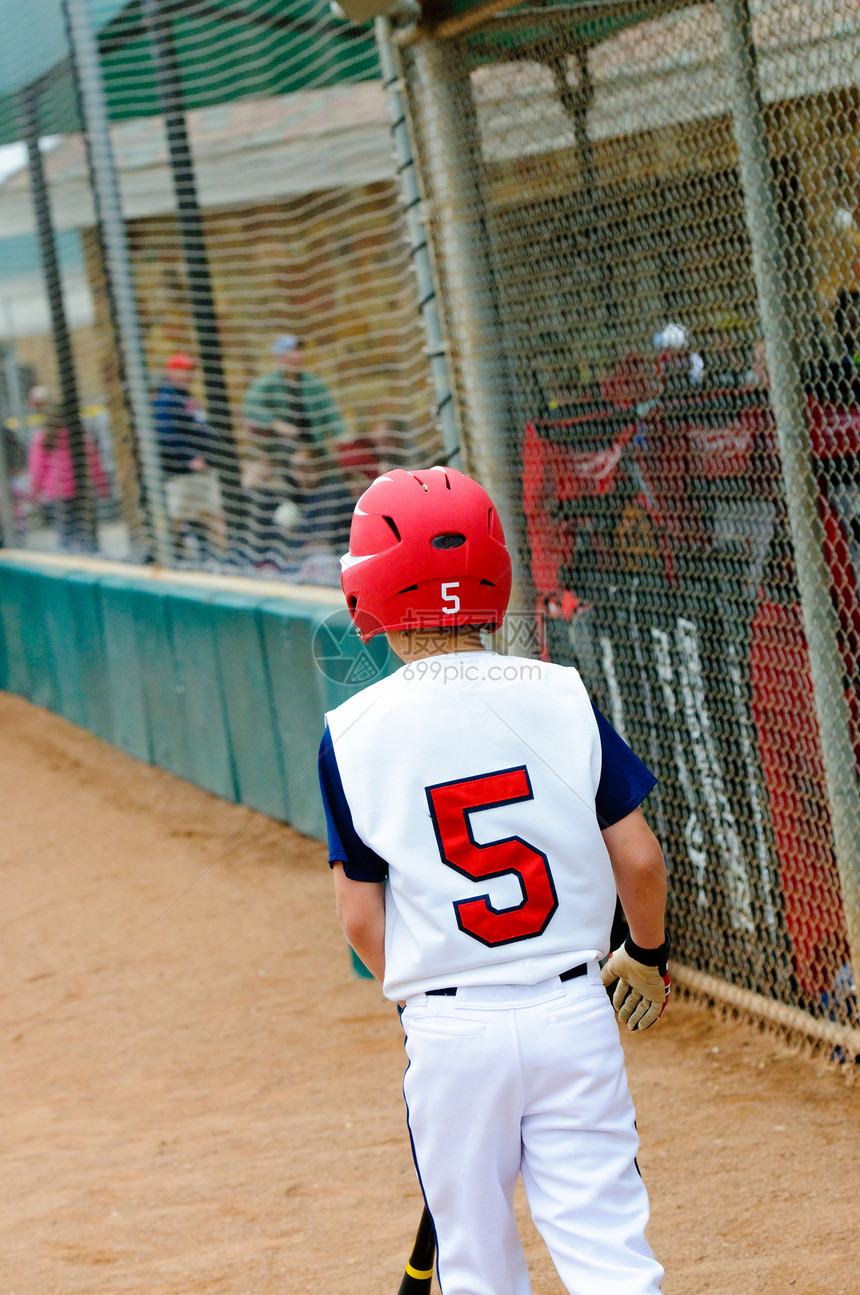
(482, 818)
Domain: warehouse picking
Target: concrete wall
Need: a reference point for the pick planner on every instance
(223, 682)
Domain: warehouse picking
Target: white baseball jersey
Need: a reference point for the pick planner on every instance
(477, 786)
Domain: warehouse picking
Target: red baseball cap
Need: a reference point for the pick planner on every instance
(359, 456)
(180, 360)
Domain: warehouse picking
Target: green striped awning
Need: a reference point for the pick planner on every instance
(227, 49)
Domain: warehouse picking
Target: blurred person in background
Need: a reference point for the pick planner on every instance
(187, 448)
(833, 370)
(359, 464)
(678, 365)
(52, 480)
(393, 445)
(314, 523)
(845, 365)
(283, 408)
(16, 446)
(15, 471)
(38, 399)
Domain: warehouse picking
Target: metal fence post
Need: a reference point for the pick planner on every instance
(108, 204)
(159, 19)
(436, 349)
(82, 507)
(453, 167)
(787, 395)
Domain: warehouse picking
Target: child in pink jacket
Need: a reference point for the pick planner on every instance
(52, 477)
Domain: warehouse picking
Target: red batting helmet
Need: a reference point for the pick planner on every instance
(425, 549)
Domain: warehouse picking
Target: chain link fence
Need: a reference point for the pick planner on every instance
(644, 223)
(648, 229)
(249, 342)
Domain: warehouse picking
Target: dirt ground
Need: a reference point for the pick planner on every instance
(199, 1095)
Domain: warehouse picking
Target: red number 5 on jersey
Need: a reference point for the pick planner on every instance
(451, 805)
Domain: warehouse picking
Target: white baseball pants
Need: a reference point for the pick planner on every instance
(527, 1079)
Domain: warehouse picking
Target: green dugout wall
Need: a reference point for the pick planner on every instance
(223, 682)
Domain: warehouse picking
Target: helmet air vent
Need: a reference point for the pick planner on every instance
(448, 540)
(408, 590)
(393, 525)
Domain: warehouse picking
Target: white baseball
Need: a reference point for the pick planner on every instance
(287, 516)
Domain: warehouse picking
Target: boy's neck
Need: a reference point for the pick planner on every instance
(413, 645)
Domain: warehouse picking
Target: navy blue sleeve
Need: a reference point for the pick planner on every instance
(624, 780)
(345, 846)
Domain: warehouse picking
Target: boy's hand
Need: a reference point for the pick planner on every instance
(642, 986)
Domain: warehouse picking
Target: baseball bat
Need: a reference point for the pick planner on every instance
(419, 1269)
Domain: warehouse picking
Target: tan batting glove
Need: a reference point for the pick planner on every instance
(641, 983)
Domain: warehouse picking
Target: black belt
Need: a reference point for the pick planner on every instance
(572, 974)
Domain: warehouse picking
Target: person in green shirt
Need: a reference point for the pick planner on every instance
(282, 410)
